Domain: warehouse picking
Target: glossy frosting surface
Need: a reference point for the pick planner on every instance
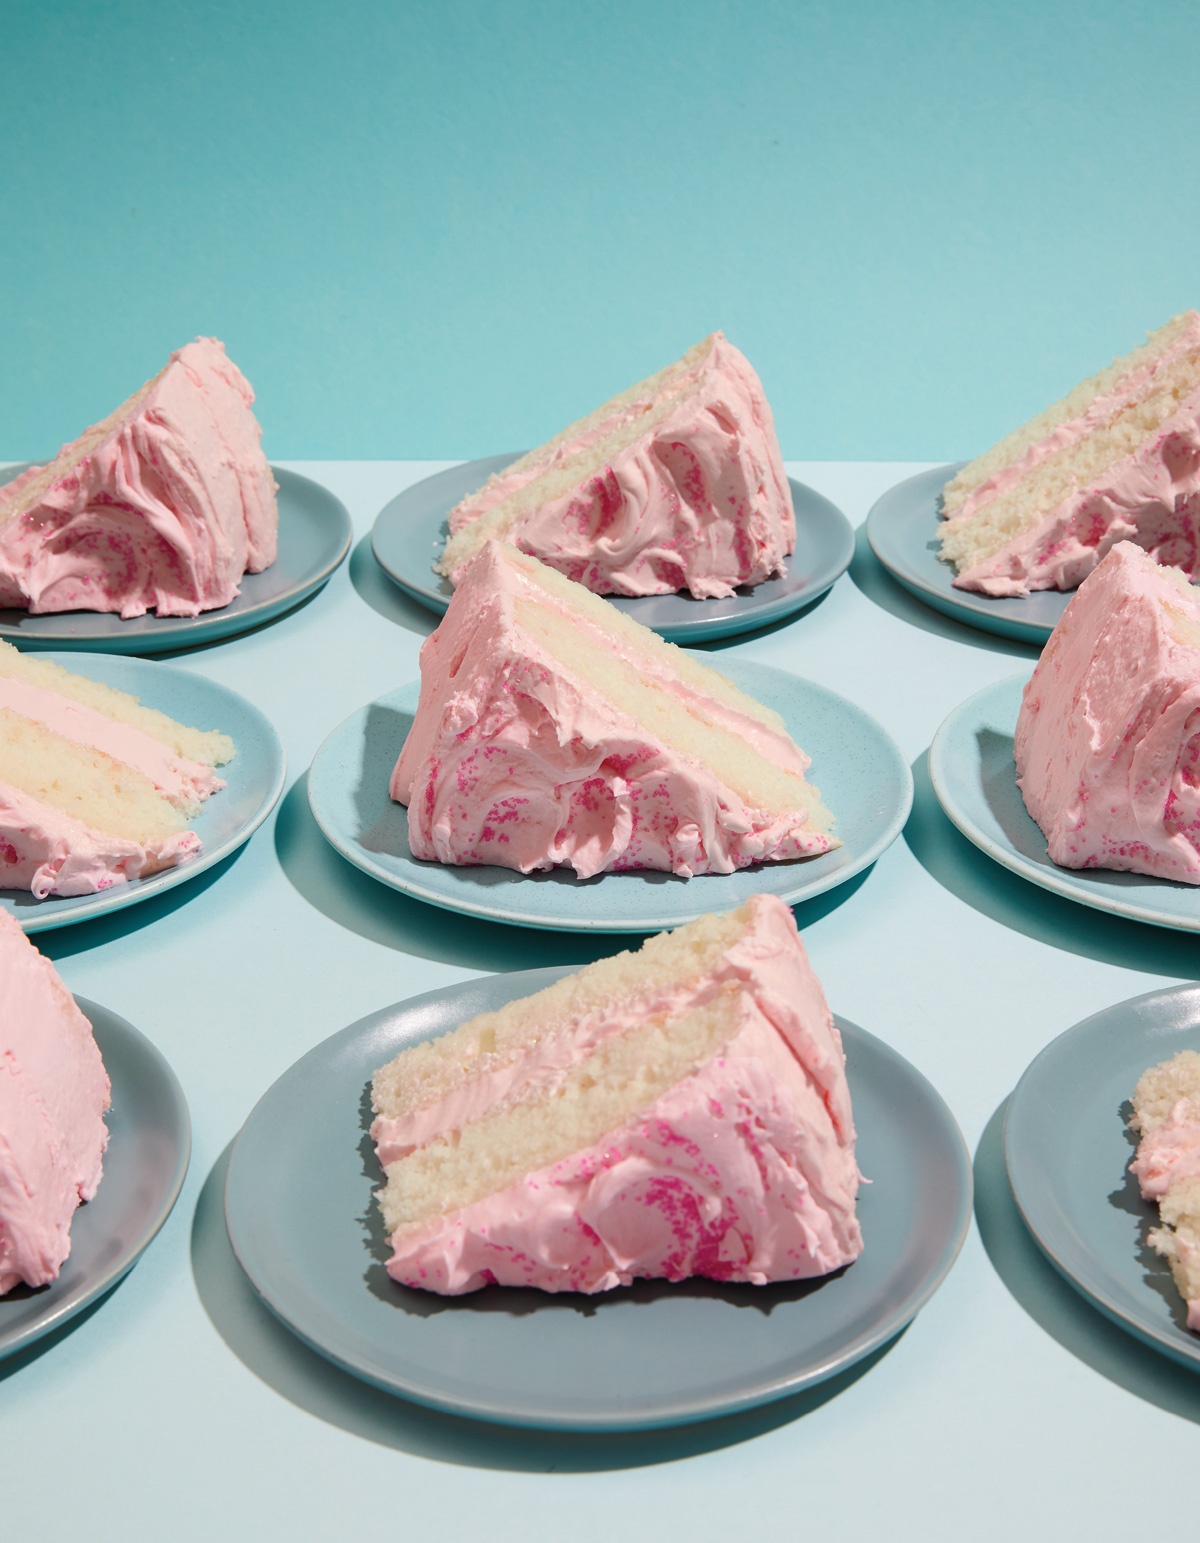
(53, 1094)
(699, 502)
(514, 760)
(166, 512)
(744, 1170)
(1107, 742)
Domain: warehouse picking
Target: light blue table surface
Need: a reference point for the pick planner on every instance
(178, 1407)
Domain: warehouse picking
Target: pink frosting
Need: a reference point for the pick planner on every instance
(53, 1094)
(514, 761)
(744, 1171)
(1107, 742)
(186, 783)
(166, 512)
(49, 852)
(1151, 497)
(700, 502)
(1170, 1152)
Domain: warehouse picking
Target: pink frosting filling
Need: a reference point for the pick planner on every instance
(1107, 743)
(167, 512)
(1170, 1152)
(53, 1094)
(743, 1171)
(186, 783)
(1151, 497)
(700, 502)
(513, 760)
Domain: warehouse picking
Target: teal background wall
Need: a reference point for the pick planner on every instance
(442, 229)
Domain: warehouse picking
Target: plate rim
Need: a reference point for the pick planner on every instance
(121, 895)
(1067, 883)
(541, 921)
(208, 626)
(1033, 1210)
(772, 1388)
(107, 1025)
(690, 630)
(965, 606)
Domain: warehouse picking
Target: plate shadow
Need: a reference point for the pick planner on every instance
(77, 937)
(388, 599)
(306, 1379)
(354, 900)
(873, 580)
(986, 886)
(1054, 1304)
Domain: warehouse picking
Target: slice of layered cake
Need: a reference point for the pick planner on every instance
(552, 730)
(53, 1095)
(677, 483)
(678, 1111)
(1107, 743)
(163, 506)
(1166, 1114)
(1117, 459)
(95, 789)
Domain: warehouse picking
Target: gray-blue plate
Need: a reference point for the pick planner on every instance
(303, 1224)
(971, 768)
(902, 529)
(148, 1148)
(314, 537)
(410, 532)
(860, 770)
(254, 781)
(1067, 1151)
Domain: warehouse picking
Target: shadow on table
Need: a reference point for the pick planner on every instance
(352, 899)
(869, 576)
(717, 645)
(11, 1365)
(303, 1377)
(987, 887)
(1054, 1304)
(388, 599)
(110, 927)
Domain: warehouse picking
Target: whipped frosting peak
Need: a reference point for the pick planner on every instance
(515, 759)
(162, 507)
(697, 500)
(53, 1095)
(1107, 743)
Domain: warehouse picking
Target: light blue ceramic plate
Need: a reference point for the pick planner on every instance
(861, 772)
(411, 531)
(148, 1149)
(314, 537)
(1067, 1150)
(254, 781)
(971, 768)
(303, 1224)
(902, 530)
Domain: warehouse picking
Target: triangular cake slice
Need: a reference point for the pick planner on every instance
(553, 730)
(1166, 1115)
(53, 1095)
(1108, 737)
(678, 1111)
(95, 788)
(1117, 459)
(163, 506)
(677, 483)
